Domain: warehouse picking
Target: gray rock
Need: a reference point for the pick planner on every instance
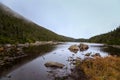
(74, 48)
(96, 55)
(20, 45)
(83, 47)
(54, 64)
(87, 54)
(27, 44)
(7, 45)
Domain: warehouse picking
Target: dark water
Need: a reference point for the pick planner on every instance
(35, 69)
(112, 51)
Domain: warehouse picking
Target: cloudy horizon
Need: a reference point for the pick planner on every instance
(77, 19)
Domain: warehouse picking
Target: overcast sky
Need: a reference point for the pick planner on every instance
(73, 18)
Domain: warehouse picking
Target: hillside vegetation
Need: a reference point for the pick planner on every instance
(81, 40)
(16, 29)
(112, 37)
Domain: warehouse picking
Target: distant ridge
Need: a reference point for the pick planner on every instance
(112, 38)
(14, 28)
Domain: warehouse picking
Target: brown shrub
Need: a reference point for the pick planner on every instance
(107, 68)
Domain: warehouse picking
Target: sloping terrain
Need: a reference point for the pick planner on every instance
(16, 29)
(112, 37)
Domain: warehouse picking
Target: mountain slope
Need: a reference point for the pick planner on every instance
(112, 37)
(16, 29)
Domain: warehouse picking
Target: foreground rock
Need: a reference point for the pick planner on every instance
(83, 47)
(87, 54)
(74, 48)
(96, 55)
(54, 64)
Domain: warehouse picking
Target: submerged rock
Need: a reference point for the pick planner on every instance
(74, 48)
(54, 64)
(87, 59)
(96, 55)
(83, 47)
(87, 54)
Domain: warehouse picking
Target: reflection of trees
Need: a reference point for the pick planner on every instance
(112, 50)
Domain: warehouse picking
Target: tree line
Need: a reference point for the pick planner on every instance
(18, 30)
(112, 37)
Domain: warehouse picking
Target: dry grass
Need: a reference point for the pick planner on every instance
(101, 68)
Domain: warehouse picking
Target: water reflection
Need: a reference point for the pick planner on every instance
(112, 50)
(35, 70)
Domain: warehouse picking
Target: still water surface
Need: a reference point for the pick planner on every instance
(35, 69)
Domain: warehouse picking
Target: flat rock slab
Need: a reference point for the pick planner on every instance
(54, 64)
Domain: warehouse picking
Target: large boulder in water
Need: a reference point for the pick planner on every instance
(74, 48)
(54, 64)
(83, 47)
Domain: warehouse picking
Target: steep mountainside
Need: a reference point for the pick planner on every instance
(16, 29)
(112, 37)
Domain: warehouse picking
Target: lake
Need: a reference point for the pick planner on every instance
(35, 69)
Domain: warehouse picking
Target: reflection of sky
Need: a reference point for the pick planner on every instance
(74, 18)
(35, 70)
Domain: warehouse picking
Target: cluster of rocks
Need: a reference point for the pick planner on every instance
(38, 43)
(73, 48)
(80, 47)
(90, 56)
(53, 64)
(9, 53)
(93, 55)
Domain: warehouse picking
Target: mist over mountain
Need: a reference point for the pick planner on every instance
(14, 28)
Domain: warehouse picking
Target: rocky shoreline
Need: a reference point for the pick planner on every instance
(10, 53)
(115, 46)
